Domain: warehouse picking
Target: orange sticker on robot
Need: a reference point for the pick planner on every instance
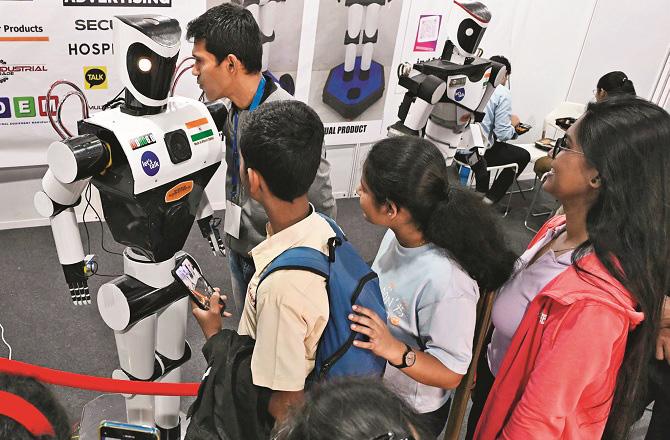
(179, 191)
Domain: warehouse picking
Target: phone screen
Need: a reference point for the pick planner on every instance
(195, 282)
(124, 431)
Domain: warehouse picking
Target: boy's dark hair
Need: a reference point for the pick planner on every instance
(39, 396)
(282, 140)
(502, 60)
(229, 29)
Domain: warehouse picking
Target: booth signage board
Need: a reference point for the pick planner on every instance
(42, 41)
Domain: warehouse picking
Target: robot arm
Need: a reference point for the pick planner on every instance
(72, 162)
(423, 92)
(209, 226)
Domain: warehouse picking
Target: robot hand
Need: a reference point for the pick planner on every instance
(209, 227)
(76, 281)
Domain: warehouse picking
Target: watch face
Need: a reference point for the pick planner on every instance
(410, 358)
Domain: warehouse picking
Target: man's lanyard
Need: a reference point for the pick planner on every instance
(235, 172)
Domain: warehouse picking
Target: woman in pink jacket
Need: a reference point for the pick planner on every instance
(576, 366)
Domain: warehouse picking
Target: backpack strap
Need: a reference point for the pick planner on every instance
(336, 228)
(298, 258)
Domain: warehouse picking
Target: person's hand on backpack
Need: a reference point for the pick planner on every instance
(211, 320)
(380, 340)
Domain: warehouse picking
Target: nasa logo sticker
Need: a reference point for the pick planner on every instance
(459, 94)
(150, 163)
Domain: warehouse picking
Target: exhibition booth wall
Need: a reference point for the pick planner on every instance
(558, 51)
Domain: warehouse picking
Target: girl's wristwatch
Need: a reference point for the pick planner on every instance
(408, 358)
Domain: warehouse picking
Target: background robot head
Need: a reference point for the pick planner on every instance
(146, 48)
(467, 23)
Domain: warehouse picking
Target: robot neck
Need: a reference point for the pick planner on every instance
(134, 107)
(452, 54)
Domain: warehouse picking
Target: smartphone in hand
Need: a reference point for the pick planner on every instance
(124, 431)
(198, 287)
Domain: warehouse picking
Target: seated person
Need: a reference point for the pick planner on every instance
(28, 411)
(281, 147)
(500, 125)
(352, 409)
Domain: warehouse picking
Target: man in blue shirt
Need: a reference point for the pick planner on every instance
(500, 125)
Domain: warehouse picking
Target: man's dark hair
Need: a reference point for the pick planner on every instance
(229, 29)
(282, 140)
(502, 60)
(39, 396)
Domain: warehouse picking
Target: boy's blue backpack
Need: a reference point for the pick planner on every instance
(349, 281)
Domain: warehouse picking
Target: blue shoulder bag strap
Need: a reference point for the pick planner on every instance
(299, 258)
(305, 258)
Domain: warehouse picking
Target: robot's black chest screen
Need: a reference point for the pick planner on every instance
(178, 146)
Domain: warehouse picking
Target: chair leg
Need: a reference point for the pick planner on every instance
(532, 204)
(509, 200)
(521, 191)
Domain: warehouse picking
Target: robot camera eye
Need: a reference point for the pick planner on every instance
(469, 32)
(144, 64)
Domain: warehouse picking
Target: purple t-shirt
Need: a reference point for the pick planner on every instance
(515, 295)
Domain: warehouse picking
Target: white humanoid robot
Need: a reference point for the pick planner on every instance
(150, 159)
(356, 84)
(264, 12)
(446, 97)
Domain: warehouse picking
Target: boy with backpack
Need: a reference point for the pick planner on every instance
(304, 259)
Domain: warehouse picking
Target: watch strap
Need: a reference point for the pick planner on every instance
(404, 357)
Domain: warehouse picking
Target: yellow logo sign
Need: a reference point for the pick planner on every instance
(179, 191)
(95, 77)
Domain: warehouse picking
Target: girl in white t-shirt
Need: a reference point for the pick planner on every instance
(442, 247)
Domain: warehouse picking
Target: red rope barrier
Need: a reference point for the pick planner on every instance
(94, 383)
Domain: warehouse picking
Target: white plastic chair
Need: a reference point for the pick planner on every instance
(496, 170)
(564, 110)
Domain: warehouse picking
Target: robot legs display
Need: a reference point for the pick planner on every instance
(356, 84)
(264, 12)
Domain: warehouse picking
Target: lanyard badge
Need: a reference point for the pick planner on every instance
(236, 154)
(233, 210)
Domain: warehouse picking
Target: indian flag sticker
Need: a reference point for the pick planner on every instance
(200, 131)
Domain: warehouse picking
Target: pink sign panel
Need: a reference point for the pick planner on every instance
(427, 33)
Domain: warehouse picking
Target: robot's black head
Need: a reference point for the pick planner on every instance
(147, 47)
(469, 35)
(470, 18)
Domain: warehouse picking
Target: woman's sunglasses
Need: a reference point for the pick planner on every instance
(562, 145)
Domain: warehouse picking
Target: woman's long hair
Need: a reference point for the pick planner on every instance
(412, 173)
(628, 141)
